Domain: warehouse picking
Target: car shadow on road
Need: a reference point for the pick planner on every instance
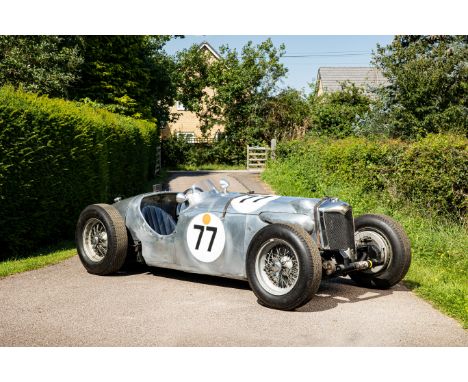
(198, 278)
(134, 269)
(182, 276)
(342, 290)
(331, 293)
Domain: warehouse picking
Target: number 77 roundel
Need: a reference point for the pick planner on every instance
(206, 237)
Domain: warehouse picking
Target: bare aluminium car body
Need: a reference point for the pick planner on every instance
(242, 216)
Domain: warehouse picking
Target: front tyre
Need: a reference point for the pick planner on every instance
(101, 239)
(284, 267)
(379, 237)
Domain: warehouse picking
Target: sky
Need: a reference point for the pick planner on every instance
(315, 51)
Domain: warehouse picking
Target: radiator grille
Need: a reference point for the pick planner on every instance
(339, 230)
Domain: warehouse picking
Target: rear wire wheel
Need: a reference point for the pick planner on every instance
(101, 239)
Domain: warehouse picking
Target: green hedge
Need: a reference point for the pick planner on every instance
(431, 174)
(57, 157)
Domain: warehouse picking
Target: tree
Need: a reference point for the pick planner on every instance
(130, 75)
(337, 113)
(234, 91)
(428, 90)
(41, 64)
(287, 115)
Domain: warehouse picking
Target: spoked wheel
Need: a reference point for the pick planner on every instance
(277, 267)
(101, 239)
(381, 240)
(95, 240)
(284, 267)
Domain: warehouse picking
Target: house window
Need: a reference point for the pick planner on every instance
(180, 106)
(189, 137)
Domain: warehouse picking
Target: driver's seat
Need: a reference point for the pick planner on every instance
(159, 220)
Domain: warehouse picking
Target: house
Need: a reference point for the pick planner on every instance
(187, 124)
(330, 79)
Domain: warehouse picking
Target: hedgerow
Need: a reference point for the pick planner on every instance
(431, 174)
(58, 156)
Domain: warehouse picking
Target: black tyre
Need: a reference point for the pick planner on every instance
(101, 239)
(387, 241)
(284, 267)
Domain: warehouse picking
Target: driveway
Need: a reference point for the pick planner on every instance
(63, 305)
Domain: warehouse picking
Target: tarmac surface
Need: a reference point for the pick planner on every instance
(63, 305)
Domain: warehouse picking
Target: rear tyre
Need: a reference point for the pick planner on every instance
(101, 239)
(390, 243)
(284, 267)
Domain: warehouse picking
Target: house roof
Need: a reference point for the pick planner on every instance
(331, 78)
(212, 50)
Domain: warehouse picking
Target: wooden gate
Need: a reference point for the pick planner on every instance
(257, 157)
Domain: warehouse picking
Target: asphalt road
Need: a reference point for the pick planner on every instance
(63, 305)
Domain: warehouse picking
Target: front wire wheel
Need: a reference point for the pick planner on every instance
(277, 267)
(284, 267)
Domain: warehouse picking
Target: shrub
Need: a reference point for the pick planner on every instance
(433, 173)
(430, 173)
(335, 114)
(177, 151)
(57, 157)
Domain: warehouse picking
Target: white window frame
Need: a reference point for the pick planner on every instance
(189, 136)
(180, 106)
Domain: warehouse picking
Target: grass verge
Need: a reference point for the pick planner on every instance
(41, 258)
(439, 268)
(208, 166)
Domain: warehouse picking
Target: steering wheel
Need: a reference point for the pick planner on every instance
(187, 191)
(182, 206)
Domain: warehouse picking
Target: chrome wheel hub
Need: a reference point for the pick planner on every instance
(95, 240)
(277, 267)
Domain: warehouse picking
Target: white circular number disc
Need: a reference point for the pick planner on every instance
(206, 237)
(249, 203)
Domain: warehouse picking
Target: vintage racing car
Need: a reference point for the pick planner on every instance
(282, 245)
